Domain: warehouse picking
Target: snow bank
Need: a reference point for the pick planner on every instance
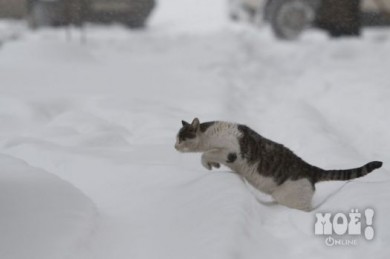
(41, 215)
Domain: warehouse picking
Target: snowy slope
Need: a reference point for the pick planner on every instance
(41, 215)
(103, 116)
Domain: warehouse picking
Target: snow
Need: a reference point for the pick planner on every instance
(41, 215)
(10, 30)
(87, 135)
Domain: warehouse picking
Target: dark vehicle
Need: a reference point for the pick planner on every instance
(133, 13)
(289, 18)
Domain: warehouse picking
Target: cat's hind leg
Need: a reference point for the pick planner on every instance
(295, 194)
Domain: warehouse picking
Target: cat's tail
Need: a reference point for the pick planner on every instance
(343, 175)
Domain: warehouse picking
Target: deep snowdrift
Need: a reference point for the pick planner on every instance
(103, 116)
(41, 216)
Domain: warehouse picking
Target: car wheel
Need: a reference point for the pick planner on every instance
(290, 17)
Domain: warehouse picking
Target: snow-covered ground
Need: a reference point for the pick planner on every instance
(87, 164)
(41, 215)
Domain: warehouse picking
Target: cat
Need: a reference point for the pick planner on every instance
(268, 166)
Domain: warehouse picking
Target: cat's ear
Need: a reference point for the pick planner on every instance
(195, 123)
(185, 123)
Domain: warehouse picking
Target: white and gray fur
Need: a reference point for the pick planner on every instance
(268, 166)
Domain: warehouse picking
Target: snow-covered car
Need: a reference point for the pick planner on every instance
(289, 18)
(133, 13)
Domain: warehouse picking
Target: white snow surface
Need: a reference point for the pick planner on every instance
(41, 215)
(87, 164)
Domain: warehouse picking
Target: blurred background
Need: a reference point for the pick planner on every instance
(288, 18)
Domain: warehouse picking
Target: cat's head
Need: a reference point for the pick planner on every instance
(187, 140)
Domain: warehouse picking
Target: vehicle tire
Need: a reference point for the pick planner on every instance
(290, 17)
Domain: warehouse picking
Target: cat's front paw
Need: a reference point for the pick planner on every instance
(206, 164)
(214, 164)
(209, 165)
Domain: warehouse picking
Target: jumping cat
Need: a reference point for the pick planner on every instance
(268, 166)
